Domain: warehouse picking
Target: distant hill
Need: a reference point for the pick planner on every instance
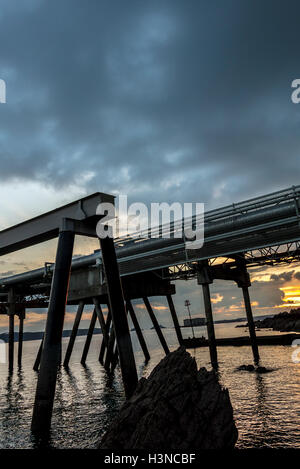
(39, 335)
(243, 319)
(285, 322)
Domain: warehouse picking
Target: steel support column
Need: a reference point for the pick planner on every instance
(156, 326)
(210, 326)
(51, 352)
(110, 350)
(89, 338)
(119, 316)
(204, 278)
(11, 332)
(243, 281)
(73, 333)
(138, 330)
(38, 356)
(175, 319)
(104, 346)
(101, 320)
(20, 340)
(251, 325)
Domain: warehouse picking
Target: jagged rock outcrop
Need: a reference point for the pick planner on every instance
(285, 322)
(176, 408)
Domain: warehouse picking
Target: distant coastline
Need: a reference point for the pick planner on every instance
(39, 335)
(27, 336)
(283, 322)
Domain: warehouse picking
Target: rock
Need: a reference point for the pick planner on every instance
(176, 408)
(246, 368)
(251, 368)
(263, 369)
(284, 322)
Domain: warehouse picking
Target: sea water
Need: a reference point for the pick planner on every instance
(266, 406)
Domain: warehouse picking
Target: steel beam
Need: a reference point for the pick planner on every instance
(48, 225)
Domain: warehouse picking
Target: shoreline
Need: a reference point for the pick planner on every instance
(284, 339)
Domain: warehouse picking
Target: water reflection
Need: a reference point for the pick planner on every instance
(266, 407)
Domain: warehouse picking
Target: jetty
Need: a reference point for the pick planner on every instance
(260, 231)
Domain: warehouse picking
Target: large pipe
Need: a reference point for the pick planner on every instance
(229, 223)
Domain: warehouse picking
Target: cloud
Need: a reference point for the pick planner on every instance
(283, 276)
(297, 275)
(159, 100)
(113, 98)
(216, 298)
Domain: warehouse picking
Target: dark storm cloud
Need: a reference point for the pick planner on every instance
(284, 276)
(165, 100)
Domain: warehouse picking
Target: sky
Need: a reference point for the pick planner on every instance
(161, 100)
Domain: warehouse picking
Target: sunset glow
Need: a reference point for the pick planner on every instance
(291, 295)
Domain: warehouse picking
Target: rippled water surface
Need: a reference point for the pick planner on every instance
(266, 406)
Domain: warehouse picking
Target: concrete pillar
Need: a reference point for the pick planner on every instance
(138, 330)
(175, 319)
(156, 326)
(119, 316)
(73, 333)
(88, 338)
(51, 352)
(251, 325)
(20, 344)
(11, 331)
